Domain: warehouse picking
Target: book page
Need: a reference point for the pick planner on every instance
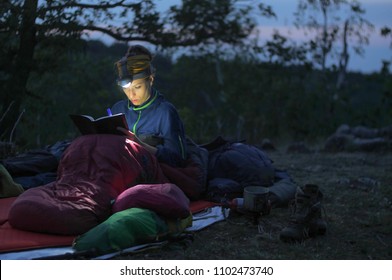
(111, 116)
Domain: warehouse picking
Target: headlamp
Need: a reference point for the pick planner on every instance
(126, 78)
(127, 81)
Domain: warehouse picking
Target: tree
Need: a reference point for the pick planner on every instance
(386, 32)
(29, 25)
(342, 26)
(280, 50)
(18, 58)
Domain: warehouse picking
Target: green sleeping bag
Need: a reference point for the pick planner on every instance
(125, 229)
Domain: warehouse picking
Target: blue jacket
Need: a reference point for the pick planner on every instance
(157, 117)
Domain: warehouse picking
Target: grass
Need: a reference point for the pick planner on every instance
(357, 190)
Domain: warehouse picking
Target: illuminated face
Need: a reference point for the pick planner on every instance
(138, 91)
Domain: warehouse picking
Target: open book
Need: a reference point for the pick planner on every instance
(103, 125)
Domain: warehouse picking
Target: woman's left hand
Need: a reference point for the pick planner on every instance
(130, 135)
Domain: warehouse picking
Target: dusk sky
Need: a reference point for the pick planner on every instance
(378, 12)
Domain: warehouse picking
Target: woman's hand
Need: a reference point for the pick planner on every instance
(131, 136)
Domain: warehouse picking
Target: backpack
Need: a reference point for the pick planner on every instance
(233, 166)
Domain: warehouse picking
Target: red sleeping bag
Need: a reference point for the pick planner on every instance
(93, 171)
(166, 200)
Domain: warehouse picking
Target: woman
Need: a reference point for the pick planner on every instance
(152, 119)
(95, 169)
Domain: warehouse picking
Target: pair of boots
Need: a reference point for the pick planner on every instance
(306, 220)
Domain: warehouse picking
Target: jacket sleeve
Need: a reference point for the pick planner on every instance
(173, 151)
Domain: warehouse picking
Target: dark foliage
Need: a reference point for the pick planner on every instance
(251, 100)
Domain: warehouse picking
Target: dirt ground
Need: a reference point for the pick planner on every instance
(357, 190)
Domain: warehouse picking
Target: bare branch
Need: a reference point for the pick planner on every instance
(16, 123)
(105, 5)
(6, 111)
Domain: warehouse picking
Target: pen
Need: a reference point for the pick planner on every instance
(109, 111)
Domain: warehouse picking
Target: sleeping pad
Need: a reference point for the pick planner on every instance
(92, 172)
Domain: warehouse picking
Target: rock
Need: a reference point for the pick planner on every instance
(298, 147)
(267, 145)
(359, 138)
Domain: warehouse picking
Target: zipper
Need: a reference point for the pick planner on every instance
(139, 110)
(182, 147)
(134, 126)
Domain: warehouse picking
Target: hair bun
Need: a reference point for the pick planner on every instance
(138, 50)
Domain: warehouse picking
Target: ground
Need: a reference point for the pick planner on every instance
(357, 190)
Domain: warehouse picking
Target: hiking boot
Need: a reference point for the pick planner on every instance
(306, 220)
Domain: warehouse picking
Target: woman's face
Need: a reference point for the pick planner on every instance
(139, 91)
